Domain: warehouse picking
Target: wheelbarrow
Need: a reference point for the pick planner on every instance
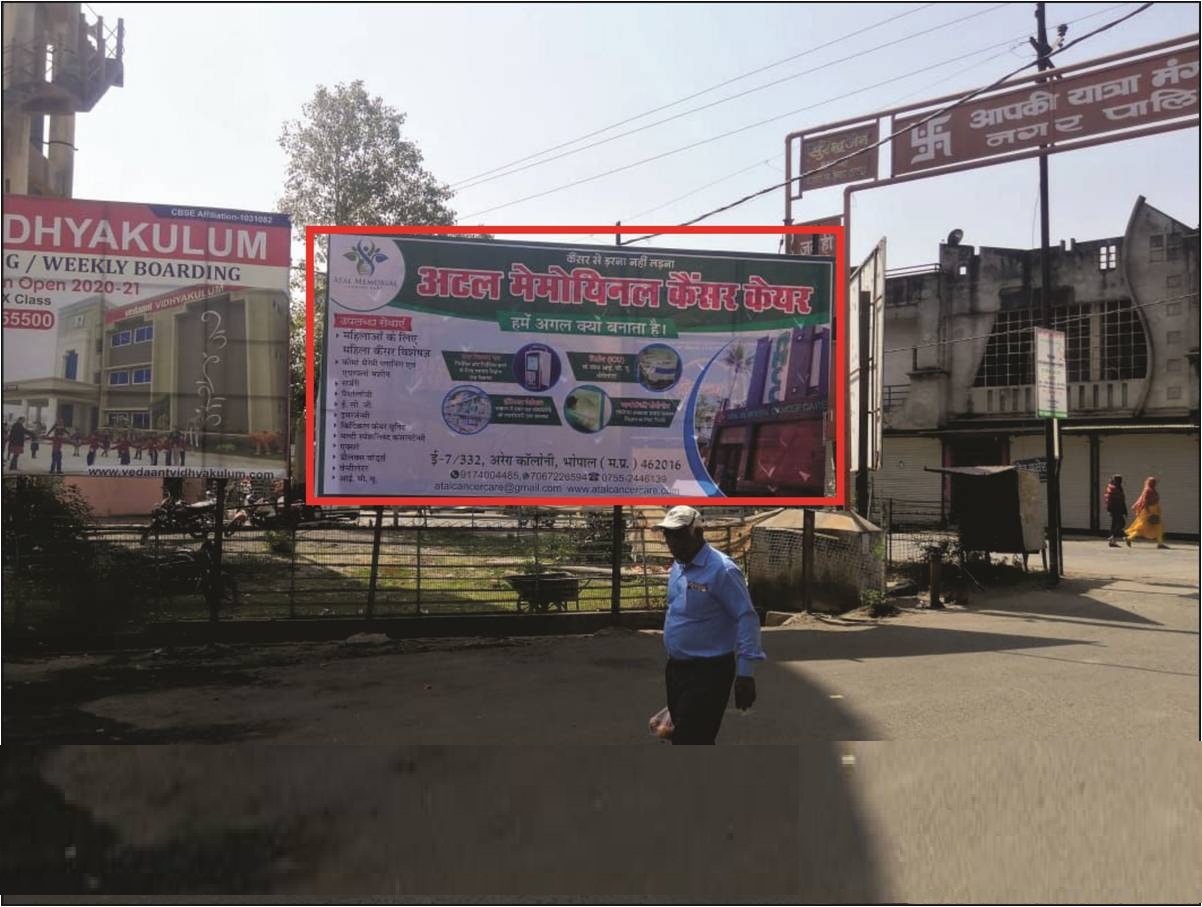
(539, 592)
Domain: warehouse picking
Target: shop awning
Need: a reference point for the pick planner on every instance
(971, 470)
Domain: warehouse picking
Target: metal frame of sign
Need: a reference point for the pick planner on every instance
(839, 387)
(796, 138)
(1182, 43)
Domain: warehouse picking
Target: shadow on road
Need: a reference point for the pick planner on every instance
(61, 848)
(1077, 601)
(49, 710)
(642, 824)
(897, 641)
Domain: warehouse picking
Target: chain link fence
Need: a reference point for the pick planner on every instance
(444, 561)
(912, 530)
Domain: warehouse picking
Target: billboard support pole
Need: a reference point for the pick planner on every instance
(1045, 319)
(377, 530)
(807, 559)
(615, 572)
(215, 581)
(862, 415)
(619, 529)
(844, 336)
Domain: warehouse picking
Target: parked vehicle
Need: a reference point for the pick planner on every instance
(538, 517)
(191, 571)
(174, 516)
(260, 512)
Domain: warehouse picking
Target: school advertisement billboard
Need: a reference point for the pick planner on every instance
(487, 369)
(144, 340)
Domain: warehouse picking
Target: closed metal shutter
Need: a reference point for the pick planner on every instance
(1076, 483)
(902, 476)
(1172, 458)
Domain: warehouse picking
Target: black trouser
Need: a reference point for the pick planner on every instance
(1118, 522)
(698, 690)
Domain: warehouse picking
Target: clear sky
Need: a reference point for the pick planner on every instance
(207, 88)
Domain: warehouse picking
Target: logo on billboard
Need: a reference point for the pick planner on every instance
(367, 275)
(366, 255)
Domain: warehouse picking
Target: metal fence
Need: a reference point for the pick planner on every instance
(912, 529)
(444, 561)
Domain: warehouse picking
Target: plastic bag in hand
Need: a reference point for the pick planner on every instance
(661, 724)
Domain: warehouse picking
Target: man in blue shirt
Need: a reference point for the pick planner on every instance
(710, 630)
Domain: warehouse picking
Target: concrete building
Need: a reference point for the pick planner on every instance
(156, 371)
(959, 371)
(72, 393)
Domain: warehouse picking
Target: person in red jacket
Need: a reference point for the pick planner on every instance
(16, 442)
(152, 448)
(1115, 501)
(122, 446)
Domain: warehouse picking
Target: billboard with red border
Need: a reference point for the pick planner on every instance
(458, 370)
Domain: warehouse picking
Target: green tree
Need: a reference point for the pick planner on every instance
(349, 164)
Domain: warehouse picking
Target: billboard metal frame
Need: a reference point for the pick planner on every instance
(797, 137)
(839, 371)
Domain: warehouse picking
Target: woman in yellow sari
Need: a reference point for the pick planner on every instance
(1148, 523)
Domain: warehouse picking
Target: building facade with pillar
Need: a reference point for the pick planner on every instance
(958, 373)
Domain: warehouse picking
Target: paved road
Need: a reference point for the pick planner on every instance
(1032, 746)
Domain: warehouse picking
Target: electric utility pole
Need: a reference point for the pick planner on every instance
(1051, 428)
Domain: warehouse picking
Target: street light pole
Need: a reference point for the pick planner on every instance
(1045, 297)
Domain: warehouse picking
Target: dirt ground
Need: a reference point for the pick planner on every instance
(1033, 745)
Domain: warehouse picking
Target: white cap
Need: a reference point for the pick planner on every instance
(681, 517)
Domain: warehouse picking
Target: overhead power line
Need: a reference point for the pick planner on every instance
(701, 142)
(714, 138)
(963, 99)
(696, 94)
(727, 99)
(767, 162)
(1008, 45)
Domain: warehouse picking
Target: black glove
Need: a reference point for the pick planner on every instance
(744, 693)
